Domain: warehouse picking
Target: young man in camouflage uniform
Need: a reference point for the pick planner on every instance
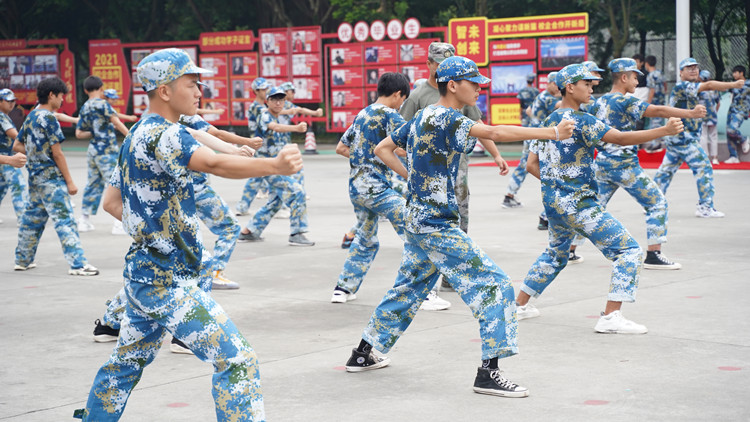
(738, 112)
(657, 95)
(434, 141)
(98, 121)
(50, 183)
(152, 191)
(11, 178)
(565, 168)
(686, 147)
(254, 185)
(526, 96)
(710, 132)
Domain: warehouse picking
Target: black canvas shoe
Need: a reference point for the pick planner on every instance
(543, 224)
(656, 261)
(573, 258)
(104, 333)
(360, 361)
(492, 381)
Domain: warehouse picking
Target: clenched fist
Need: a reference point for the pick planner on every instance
(289, 160)
(565, 128)
(674, 126)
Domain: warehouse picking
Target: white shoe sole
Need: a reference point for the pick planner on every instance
(174, 348)
(500, 393)
(22, 268)
(603, 331)
(382, 364)
(662, 267)
(577, 261)
(343, 298)
(104, 338)
(527, 315)
(224, 286)
(427, 307)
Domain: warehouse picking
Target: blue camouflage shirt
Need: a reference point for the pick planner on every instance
(655, 81)
(526, 96)
(273, 141)
(38, 133)
(740, 100)
(621, 112)
(434, 141)
(95, 117)
(158, 203)
(709, 99)
(368, 174)
(685, 95)
(6, 144)
(543, 106)
(253, 116)
(197, 122)
(286, 119)
(565, 166)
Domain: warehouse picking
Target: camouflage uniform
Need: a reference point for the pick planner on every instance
(11, 178)
(685, 147)
(102, 151)
(738, 112)
(162, 271)
(434, 141)
(569, 191)
(370, 190)
(710, 133)
(543, 106)
(527, 95)
(48, 192)
(253, 184)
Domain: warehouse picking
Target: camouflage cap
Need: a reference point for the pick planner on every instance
(705, 75)
(573, 73)
(164, 66)
(592, 66)
(7, 95)
(623, 65)
(286, 86)
(688, 62)
(530, 77)
(260, 83)
(440, 51)
(275, 91)
(458, 68)
(111, 94)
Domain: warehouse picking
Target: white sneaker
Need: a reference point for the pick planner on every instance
(526, 311)
(340, 296)
(22, 268)
(746, 146)
(704, 211)
(84, 225)
(615, 323)
(715, 161)
(283, 213)
(220, 282)
(262, 194)
(87, 269)
(434, 303)
(732, 160)
(117, 228)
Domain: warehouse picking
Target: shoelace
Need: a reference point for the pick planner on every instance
(500, 380)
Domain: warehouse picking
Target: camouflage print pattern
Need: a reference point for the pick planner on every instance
(251, 189)
(482, 285)
(193, 317)
(163, 267)
(389, 204)
(253, 116)
(282, 190)
(49, 200)
(543, 106)
(519, 174)
(12, 179)
(164, 66)
(526, 97)
(738, 112)
(606, 233)
(698, 161)
(100, 168)
(655, 81)
(95, 117)
(217, 216)
(273, 141)
(709, 99)
(462, 192)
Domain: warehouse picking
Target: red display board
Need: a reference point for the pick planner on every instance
(307, 89)
(227, 41)
(469, 36)
(413, 51)
(505, 111)
(274, 41)
(106, 60)
(381, 53)
(306, 39)
(274, 66)
(372, 74)
(348, 98)
(347, 77)
(534, 26)
(306, 65)
(216, 91)
(345, 55)
(242, 71)
(507, 50)
(342, 119)
(414, 72)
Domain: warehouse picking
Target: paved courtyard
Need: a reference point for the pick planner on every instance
(694, 364)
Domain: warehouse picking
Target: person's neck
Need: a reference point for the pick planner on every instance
(47, 107)
(619, 89)
(94, 95)
(650, 69)
(433, 81)
(164, 110)
(569, 102)
(449, 100)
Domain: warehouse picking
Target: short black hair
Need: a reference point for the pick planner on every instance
(277, 96)
(651, 60)
(391, 82)
(443, 88)
(92, 83)
(638, 56)
(53, 85)
(562, 90)
(739, 68)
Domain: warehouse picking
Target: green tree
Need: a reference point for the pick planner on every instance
(716, 18)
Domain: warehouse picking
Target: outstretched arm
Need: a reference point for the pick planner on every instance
(698, 112)
(503, 133)
(287, 162)
(720, 86)
(16, 160)
(118, 125)
(254, 142)
(278, 127)
(614, 136)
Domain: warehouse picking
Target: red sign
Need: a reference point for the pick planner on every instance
(395, 29)
(6, 44)
(22, 70)
(274, 41)
(216, 63)
(534, 26)
(221, 116)
(215, 89)
(347, 77)
(508, 50)
(307, 90)
(227, 41)
(107, 60)
(372, 74)
(415, 72)
(342, 119)
(377, 30)
(414, 51)
(306, 39)
(243, 65)
(271, 66)
(238, 114)
(381, 53)
(343, 98)
(306, 64)
(345, 32)
(67, 74)
(469, 36)
(345, 54)
(411, 28)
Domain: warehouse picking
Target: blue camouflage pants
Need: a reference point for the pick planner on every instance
(193, 317)
(283, 190)
(519, 174)
(12, 179)
(389, 204)
(217, 216)
(49, 199)
(734, 136)
(251, 189)
(699, 163)
(100, 168)
(607, 234)
(482, 285)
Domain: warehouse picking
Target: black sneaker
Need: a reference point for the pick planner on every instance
(249, 237)
(656, 261)
(360, 361)
(176, 346)
(492, 381)
(543, 224)
(511, 202)
(105, 333)
(573, 258)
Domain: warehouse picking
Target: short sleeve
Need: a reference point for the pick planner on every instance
(458, 133)
(53, 129)
(395, 121)
(592, 130)
(5, 123)
(400, 136)
(348, 137)
(115, 179)
(195, 122)
(264, 120)
(108, 111)
(636, 107)
(174, 150)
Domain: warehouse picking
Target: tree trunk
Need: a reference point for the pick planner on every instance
(747, 31)
(642, 34)
(481, 8)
